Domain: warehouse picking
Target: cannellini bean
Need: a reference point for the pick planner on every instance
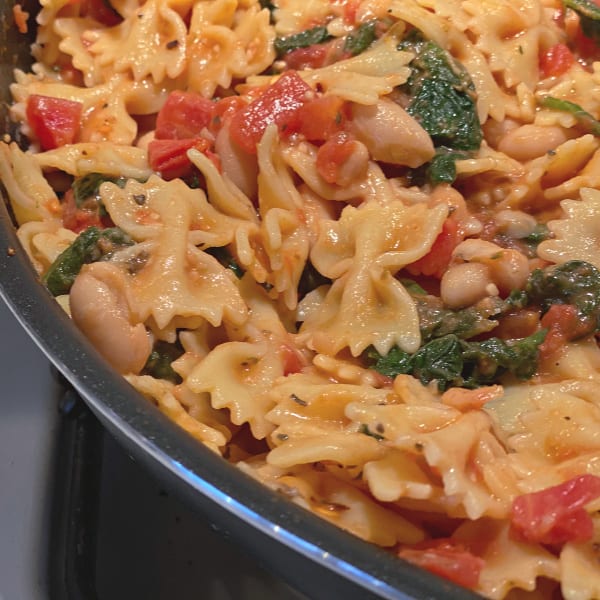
(100, 309)
(530, 141)
(238, 165)
(391, 134)
(465, 284)
(475, 249)
(509, 270)
(515, 223)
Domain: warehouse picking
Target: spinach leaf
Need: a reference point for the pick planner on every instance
(86, 191)
(441, 95)
(493, 357)
(437, 321)
(224, 257)
(584, 118)
(91, 245)
(159, 362)
(395, 362)
(575, 282)
(450, 361)
(304, 39)
(358, 41)
(589, 17)
(440, 360)
(442, 168)
(89, 185)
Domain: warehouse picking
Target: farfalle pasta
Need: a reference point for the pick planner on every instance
(352, 247)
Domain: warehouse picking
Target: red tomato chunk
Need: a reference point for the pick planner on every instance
(277, 104)
(448, 559)
(436, 261)
(169, 157)
(54, 121)
(319, 119)
(183, 116)
(557, 60)
(556, 515)
(332, 155)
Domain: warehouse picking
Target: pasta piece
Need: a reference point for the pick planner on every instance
(108, 159)
(150, 42)
(577, 236)
(508, 564)
(237, 375)
(30, 195)
(44, 241)
(163, 394)
(366, 305)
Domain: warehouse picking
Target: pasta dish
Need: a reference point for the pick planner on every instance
(352, 246)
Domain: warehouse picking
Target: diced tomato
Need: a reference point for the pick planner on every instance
(223, 110)
(556, 515)
(77, 219)
(311, 57)
(169, 157)
(555, 61)
(350, 10)
(54, 121)
(319, 119)
(436, 261)
(277, 104)
(332, 155)
(446, 558)
(183, 116)
(563, 324)
(293, 362)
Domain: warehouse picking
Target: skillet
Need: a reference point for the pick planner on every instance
(312, 555)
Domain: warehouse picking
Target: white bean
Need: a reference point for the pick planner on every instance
(465, 284)
(515, 223)
(100, 309)
(530, 141)
(391, 134)
(509, 270)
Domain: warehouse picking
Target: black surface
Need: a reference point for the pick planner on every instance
(119, 534)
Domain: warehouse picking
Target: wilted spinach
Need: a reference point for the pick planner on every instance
(304, 39)
(454, 362)
(159, 362)
(90, 246)
(441, 95)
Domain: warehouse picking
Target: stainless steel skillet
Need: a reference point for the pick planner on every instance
(313, 556)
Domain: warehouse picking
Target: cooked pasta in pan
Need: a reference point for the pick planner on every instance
(353, 246)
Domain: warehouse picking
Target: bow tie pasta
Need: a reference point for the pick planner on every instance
(352, 247)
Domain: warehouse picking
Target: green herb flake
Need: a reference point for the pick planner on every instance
(364, 428)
